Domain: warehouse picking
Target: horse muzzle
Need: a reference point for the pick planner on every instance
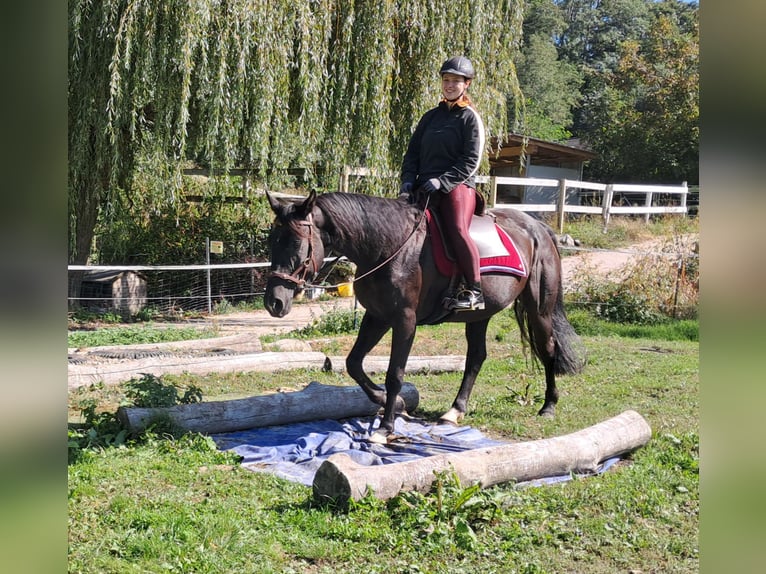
(278, 298)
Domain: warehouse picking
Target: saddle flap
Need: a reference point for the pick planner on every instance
(484, 235)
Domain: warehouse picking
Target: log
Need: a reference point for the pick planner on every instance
(316, 401)
(339, 478)
(112, 373)
(374, 364)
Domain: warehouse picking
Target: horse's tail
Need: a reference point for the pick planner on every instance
(534, 309)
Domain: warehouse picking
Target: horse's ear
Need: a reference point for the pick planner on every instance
(276, 206)
(308, 205)
(279, 208)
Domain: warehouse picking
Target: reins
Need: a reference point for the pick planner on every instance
(393, 256)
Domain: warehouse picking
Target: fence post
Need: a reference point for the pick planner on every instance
(683, 197)
(209, 290)
(492, 190)
(561, 203)
(608, 195)
(648, 203)
(343, 183)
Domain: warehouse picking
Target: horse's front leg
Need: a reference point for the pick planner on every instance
(371, 330)
(402, 338)
(476, 337)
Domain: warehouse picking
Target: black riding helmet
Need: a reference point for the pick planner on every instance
(459, 65)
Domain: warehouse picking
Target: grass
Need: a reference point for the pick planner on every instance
(625, 230)
(135, 334)
(162, 504)
(165, 503)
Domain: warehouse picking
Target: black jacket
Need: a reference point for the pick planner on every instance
(447, 144)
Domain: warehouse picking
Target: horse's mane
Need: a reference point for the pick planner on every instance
(367, 218)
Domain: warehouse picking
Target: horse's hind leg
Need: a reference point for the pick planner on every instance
(476, 337)
(543, 343)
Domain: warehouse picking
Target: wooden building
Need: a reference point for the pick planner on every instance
(544, 159)
(122, 291)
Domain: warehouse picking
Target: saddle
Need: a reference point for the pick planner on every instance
(497, 251)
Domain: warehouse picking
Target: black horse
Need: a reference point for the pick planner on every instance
(398, 284)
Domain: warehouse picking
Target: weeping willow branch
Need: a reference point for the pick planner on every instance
(157, 85)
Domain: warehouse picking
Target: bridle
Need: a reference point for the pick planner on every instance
(308, 268)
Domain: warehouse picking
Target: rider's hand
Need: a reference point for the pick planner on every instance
(432, 185)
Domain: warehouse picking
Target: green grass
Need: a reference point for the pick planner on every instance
(161, 504)
(625, 230)
(135, 334)
(682, 330)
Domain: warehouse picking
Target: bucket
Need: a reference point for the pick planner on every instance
(346, 289)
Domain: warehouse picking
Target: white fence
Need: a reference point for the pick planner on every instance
(199, 293)
(568, 202)
(608, 192)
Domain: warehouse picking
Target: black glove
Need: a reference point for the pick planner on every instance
(432, 185)
(406, 188)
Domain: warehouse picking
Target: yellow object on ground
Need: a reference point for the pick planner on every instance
(346, 289)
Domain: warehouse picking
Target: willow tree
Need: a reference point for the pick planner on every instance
(265, 85)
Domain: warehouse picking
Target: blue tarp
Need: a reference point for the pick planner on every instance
(296, 451)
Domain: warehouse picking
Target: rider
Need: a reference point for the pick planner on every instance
(443, 156)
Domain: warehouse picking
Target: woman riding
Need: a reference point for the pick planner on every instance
(442, 158)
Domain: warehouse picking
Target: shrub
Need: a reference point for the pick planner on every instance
(332, 323)
(152, 391)
(656, 288)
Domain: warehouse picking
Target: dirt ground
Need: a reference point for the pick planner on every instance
(238, 346)
(608, 262)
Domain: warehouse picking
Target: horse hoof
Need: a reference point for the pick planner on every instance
(379, 437)
(452, 416)
(547, 412)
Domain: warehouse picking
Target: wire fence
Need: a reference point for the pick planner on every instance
(177, 290)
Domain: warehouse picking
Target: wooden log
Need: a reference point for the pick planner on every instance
(117, 372)
(110, 373)
(339, 478)
(316, 401)
(374, 364)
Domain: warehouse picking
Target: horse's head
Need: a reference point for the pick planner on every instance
(296, 252)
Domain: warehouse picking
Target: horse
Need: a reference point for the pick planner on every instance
(399, 286)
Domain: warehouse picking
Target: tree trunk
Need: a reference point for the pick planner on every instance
(83, 209)
(315, 402)
(91, 373)
(340, 478)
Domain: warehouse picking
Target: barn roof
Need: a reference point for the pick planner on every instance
(505, 152)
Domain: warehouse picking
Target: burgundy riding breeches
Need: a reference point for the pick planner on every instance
(456, 209)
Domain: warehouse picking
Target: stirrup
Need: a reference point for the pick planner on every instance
(468, 300)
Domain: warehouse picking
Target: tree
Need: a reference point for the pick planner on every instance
(645, 125)
(549, 84)
(156, 85)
